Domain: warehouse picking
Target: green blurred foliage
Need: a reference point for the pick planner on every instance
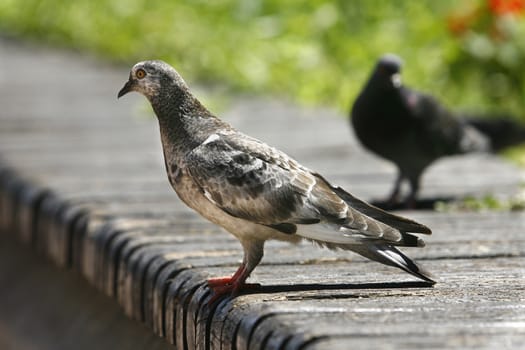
(483, 204)
(313, 51)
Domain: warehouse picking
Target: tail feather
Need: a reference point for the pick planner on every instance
(502, 130)
(401, 223)
(391, 256)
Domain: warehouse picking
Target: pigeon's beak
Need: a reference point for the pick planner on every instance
(396, 80)
(125, 89)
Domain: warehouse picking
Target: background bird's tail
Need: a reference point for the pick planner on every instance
(502, 130)
(391, 256)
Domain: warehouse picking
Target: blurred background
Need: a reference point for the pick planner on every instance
(467, 53)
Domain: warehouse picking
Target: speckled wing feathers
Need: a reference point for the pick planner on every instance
(250, 180)
(242, 184)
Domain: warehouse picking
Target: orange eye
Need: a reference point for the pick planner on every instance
(141, 73)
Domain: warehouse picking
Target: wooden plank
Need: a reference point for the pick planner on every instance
(78, 231)
(162, 296)
(12, 184)
(416, 341)
(159, 274)
(224, 324)
(31, 198)
(46, 239)
(5, 214)
(176, 298)
(198, 319)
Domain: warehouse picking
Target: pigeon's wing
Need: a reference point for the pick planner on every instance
(439, 131)
(423, 107)
(250, 180)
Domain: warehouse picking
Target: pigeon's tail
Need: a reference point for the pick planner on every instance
(502, 130)
(398, 222)
(389, 255)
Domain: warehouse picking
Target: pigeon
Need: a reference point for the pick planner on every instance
(257, 192)
(412, 129)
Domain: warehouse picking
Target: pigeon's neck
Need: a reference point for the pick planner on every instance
(379, 88)
(184, 122)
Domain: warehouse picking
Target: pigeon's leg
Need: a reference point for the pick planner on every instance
(411, 201)
(253, 253)
(394, 196)
(220, 281)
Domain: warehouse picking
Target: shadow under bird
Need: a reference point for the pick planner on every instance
(257, 192)
(412, 129)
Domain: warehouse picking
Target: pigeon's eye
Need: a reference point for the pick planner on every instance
(141, 73)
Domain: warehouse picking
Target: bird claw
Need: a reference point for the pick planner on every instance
(228, 289)
(219, 281)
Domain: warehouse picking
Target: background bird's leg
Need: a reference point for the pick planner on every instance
(411, 200)
(253, 253)
(394, 196)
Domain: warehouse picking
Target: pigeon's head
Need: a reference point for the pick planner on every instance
(387, 73)
(153, 78)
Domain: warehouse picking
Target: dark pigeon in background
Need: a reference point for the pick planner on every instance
(412, 129)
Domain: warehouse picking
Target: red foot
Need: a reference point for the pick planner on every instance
(229, 289)
(222, 286)
(219, 281)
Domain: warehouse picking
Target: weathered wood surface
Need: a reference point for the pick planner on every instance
(82, 181)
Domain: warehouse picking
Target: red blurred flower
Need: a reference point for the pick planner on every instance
(502, 7)
(460, 21)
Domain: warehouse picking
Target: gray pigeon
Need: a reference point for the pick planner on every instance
(257, 192)
(412, 129)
